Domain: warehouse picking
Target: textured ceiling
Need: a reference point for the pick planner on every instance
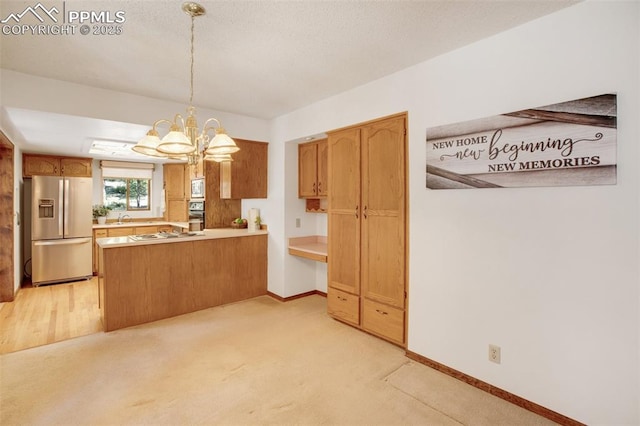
(259, 58)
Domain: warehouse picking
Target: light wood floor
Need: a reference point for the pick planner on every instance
(48, 314)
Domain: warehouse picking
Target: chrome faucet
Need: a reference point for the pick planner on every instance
(121, 218)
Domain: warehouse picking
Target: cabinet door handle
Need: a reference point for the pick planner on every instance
(381, 312)
(356, 212)
(364, 212)
(344, 299)
(319, 187)
(314, 188)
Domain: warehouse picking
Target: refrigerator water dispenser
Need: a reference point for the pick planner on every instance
(45, 208)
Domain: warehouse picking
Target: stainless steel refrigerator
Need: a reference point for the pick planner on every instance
(61, 229)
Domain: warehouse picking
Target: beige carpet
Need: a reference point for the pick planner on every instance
(255, 362)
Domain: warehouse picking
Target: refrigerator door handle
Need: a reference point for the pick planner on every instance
(62, 242)
(60, 207)
(67, 195)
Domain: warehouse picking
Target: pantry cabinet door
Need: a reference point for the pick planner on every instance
(344, 211)
(383, 211)
(323, 181)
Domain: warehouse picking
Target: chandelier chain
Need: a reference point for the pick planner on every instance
(192, 54)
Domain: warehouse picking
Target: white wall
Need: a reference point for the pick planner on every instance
(549, 274)
(43, 94)
(302, 275)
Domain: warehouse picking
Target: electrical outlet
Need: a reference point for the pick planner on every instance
(297, 222)
(494, 353)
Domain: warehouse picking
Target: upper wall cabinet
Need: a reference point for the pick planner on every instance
(176, 181)
(48, 165)
(312, 169)
(218, 213)
(176, 184)
(246, 175)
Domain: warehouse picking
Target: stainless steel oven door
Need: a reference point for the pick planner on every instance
(196, 206)
(196, 215)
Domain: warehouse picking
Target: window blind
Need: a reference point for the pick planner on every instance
(124, 169)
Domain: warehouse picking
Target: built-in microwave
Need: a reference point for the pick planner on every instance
(197, 188)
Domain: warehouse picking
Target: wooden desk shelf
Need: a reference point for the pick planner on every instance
(313, 247)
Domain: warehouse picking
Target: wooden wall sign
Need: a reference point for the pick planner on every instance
(565, 144)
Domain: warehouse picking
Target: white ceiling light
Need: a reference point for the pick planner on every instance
(184, 140)
(111, 148)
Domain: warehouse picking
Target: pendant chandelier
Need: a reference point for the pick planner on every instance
(185, 141)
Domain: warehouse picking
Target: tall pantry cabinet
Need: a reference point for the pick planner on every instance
(367, 236)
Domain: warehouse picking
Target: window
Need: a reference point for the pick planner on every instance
(126, 186)
(127, 194)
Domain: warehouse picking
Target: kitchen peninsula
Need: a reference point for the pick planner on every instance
(119, 229)
(151, 278)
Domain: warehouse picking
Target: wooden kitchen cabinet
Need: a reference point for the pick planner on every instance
(49, 165)
(104, 233)
(123, 231)
(165, 228)
(344, 306)
(177, 210)
(175, 181)
(245, 176)
(79, 167)
(149, 229)
(367, 225)
(40, 165)
(218, 212)
(97, 233)
(177, 188)
(211, 272)
(312, 169)
(383, 320)
(344, 211)
(120, 231)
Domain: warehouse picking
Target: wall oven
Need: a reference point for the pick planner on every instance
(196, 215)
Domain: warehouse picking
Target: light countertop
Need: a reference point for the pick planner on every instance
(207, 234)
(313, 247)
